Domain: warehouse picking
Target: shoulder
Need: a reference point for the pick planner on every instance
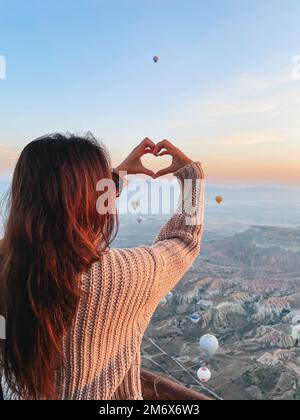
(141, 258)
(127, 266)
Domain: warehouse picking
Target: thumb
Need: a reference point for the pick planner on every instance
(148, 172)
(165, 171)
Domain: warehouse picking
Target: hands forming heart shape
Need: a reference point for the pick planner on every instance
(133, 163)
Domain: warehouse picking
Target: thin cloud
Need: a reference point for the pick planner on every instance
(242, 139)
(253, 139)
(237, 102)
(250, 82)
(212, 113)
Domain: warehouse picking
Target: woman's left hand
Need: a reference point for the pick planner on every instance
(133, 163)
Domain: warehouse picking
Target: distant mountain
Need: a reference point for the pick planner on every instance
(270, 248)
(262, 194)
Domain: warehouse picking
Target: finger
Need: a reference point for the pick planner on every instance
(148, 172)
(164, 153)
(164, 172)
(165, 144)
(146, 146)
(148, 143)
(159, 147)
(148, 151)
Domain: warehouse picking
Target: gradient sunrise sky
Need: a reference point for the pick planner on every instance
(223, 89)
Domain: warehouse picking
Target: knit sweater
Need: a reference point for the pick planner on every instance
(120, 294)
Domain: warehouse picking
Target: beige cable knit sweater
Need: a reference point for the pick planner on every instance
(121, 293)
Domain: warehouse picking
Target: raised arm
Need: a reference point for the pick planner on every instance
(157, 269)
(178, 243)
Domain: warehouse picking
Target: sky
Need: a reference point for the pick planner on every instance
(225, 89)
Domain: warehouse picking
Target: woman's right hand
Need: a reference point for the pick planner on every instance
(180, 160)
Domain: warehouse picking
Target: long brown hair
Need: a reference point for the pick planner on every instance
(53, 234)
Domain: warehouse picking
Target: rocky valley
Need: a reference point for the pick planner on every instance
(246, 288)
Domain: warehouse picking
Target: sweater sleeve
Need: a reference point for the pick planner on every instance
(147, 274)
(178, 243)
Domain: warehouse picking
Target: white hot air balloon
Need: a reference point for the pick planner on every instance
(195, 318)
(204, 375)
(169, 297)
(209, 344)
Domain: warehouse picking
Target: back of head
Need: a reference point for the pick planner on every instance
(53, 234)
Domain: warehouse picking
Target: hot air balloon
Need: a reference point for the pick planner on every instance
(204, 375)
(195, 318)
(139, 220)
(163, 301)
(219, 199)
(156, 59)
(136, 204)
(169, 297)
(209, 344)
